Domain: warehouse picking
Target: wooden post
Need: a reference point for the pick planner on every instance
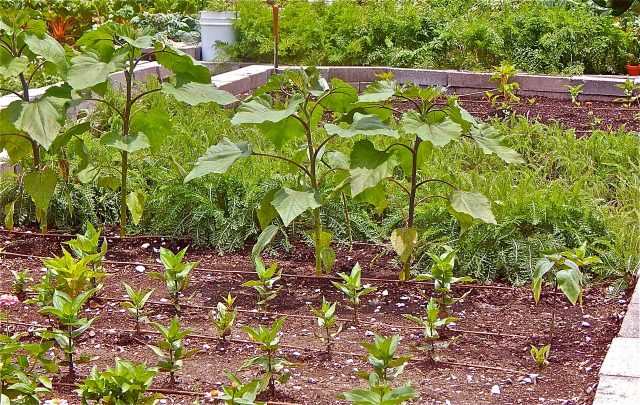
(276, 35)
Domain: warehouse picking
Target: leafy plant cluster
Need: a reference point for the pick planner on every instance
(546, 37)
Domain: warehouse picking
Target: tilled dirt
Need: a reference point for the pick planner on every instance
(496, 327)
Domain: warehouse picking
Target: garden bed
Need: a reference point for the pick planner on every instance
(497, 325)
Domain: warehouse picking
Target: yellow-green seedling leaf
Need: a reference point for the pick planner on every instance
(469, 205)
(378, 91)
(404, 241)
(9, 211)
(136, 201)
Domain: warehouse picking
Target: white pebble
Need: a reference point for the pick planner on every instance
(140, 268)
(495, 390)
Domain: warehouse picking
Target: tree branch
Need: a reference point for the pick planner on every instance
(11, 91)
(146, 93)
(430, 197)
(397, 183)
(113, 107)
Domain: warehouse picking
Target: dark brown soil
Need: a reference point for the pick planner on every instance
(590, 115)
(582, 336)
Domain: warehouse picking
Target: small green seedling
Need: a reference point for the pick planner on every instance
(177, 275)
(170, 350)
(353, 289)
(381, 354)
(326, 317)
(20, 281)
(273, 369)
(563, 270)
(126, 383)
(431, 323)
(442, 276)
(236, 393)
(135, 306)
(225, 317)
(574, 92)
(629, 89)
(507, 87)
(265, 284)
(66, 310)
(541, 356)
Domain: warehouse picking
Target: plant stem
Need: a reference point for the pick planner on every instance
(124, 165)
(553, 314)
(405, 274)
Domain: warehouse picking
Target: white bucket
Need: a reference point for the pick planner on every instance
(214, 27)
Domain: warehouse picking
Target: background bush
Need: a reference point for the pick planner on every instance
(536, 36)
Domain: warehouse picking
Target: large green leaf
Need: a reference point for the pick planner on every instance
(48, 48)
(362, 125)
(182, 65)
(369, 166)
(194, 93)
(87, 70)
(470, 205)
(259, 110)
(41, 119)
(290, 203)
(266, 212)
(12, 139)
(154, 123)
(404, 241)
(378, 91)
(491, 141)
(40, 186)
(13, 67)
(218, 158)
(131, 143)
(437, 129)
(342, 96)
(136, 201)
(281, 132)
(570, 281)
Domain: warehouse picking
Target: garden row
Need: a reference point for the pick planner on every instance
(482, 357)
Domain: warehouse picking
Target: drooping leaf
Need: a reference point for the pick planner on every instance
(40, 186)
(404, 241)
(328, 258)
(266, 212)
(136, 201)
(491, 141)
(9, 211)
(570, 281)
(218, 158)
(362, 125)
(265, 237)
(369, 166)
(290, 203)
(543, 266)
(194, 93)
(182, 65)
(470, 205)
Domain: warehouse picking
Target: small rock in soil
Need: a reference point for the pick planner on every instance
(585, 324)
(495, 390)
(140, 269)
(145, 246)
